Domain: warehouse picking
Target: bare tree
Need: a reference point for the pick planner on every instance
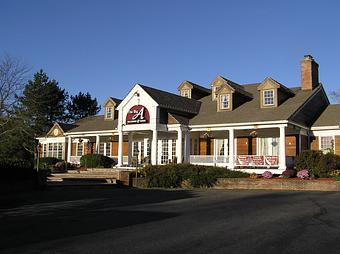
(12, 81)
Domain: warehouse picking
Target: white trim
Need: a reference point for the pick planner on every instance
(88, 133)
(335, 127)
(237, 124)
(263, 97)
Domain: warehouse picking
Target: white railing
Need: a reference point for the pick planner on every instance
(256, 160)
(239, 160)
(208, 159)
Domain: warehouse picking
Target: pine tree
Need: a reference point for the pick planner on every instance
(82, 105)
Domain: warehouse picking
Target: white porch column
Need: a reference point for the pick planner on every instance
(130, 136)
(97, 144)
(187, 146)
(120, 149)
(179, 145)
(69, 148)
(231, 149)
(154, 147)
(282, 150)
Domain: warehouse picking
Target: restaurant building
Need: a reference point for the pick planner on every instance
(254, 127)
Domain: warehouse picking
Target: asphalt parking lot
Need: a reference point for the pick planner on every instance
(101, 220)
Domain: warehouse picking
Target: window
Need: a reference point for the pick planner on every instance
(45, 150)
(108, 149)
(224, 101)
(326, 144)
(60, 150)
(173, 150)
(268, 97)
(148, 147)
(185, 93)
(268, 146)
(50, 150)
(165, 151)
(101, 148)
(54, 150)
(79, 149)
(109, 114)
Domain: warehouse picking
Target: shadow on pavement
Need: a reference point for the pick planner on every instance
(62, 213)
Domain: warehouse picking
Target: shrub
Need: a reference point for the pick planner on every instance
(47, 163)
(186, 175)
(308, 160)
(303, 174)
(96, 161)
(288, 173)
(267, 175)
(318, 164)
(17, 169)
(60, 167)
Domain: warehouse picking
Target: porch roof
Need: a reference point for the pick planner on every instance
(94, 123)
(329, 117)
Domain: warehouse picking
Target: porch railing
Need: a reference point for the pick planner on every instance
(256, 160)
(208, 159)
(239, 160)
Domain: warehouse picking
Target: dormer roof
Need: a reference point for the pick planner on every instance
(270, 83)
(115, 102)
(238, 89)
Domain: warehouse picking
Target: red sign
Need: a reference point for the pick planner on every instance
(272, 160)
(138, 114)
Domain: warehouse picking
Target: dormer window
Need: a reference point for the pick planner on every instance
(268, 97)
(185, 93)
(224, 101)
(109, 113)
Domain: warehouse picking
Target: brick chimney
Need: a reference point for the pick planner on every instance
(309, 73)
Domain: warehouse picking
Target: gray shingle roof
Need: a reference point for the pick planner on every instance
(172, 101)
(94, 123)
(250, 111)
(200, 88)
(329, 117)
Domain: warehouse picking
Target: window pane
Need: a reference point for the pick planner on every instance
(268, 97)
(173, 150)
(165, 151)
(224, 101)
(60, 151)
(101, 148)
(50, 150)
(327, 143)
(79, 149)
(108, 149)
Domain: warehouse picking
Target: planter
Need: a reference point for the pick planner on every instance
(278, 184)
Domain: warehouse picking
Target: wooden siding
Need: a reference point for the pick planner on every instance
(114, 148)
(206, 146)
(246, 146)
(242, 146)
(337, 145)
(73, 149)
(291, 145)
(314, 143)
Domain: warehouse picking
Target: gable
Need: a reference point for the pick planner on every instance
(269, 83)
(55, 131)
(185, 85)
(109, 103)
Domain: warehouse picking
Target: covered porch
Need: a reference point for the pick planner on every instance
(254, 148)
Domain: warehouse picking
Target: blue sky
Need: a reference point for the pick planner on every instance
(105, 47)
